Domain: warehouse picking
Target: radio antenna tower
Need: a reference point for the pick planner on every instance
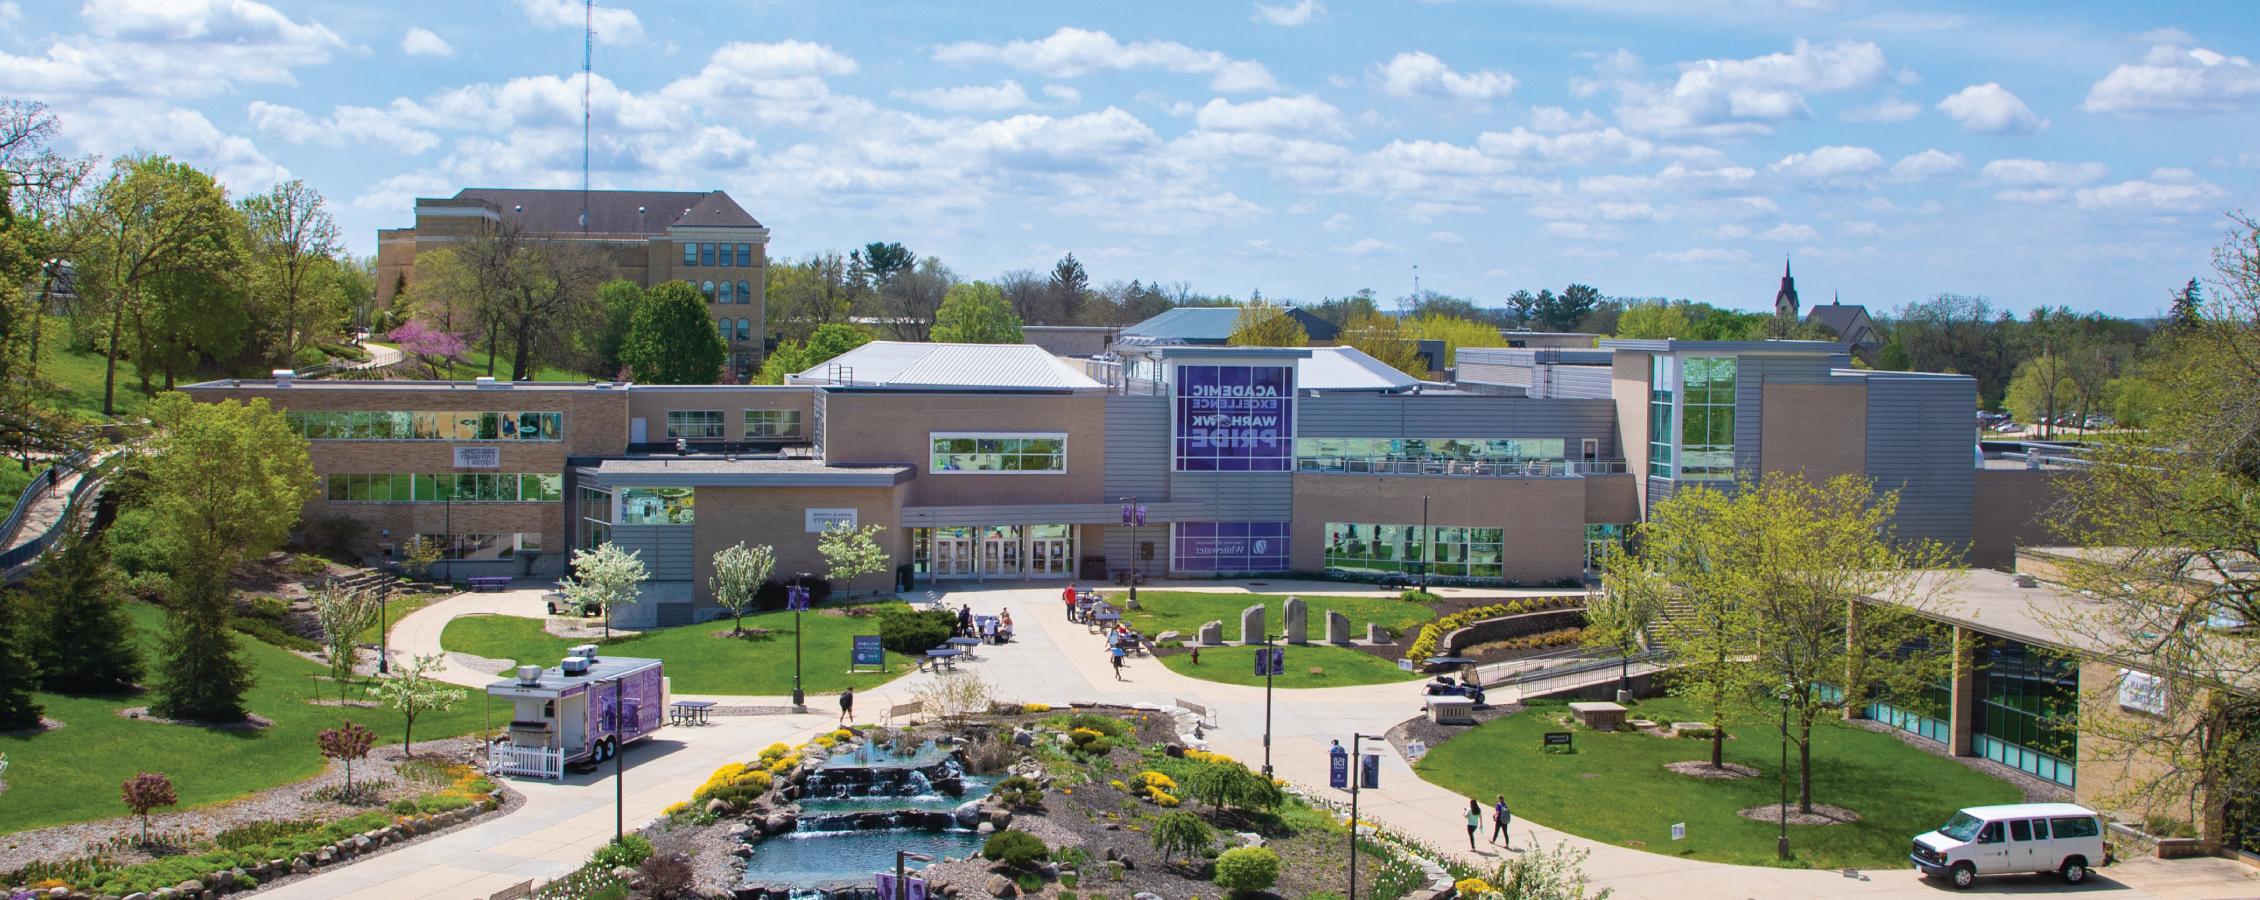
(588, 74)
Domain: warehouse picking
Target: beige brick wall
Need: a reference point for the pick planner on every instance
(2115, 774)
(1820, 430)
(777, 517)
(1544, 518)
(1612, 499)
(651, 404)
(2012, 508)
(895, 428)
(1628, 386)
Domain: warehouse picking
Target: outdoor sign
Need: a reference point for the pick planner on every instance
(1679, 831)
(1271, 661)
(478, 457)
(2142, 692)
(1404, 665)
(1235, 418)
(914, 887)
(1230, 547)
(1369, 770)
(1557, 739)
(820, 520)
(1133, 515)
(1338, 767)
(868, 652)
(796, 598)
(1414, 750)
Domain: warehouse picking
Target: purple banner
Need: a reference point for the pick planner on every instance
(1235, 418)
(1230, 547)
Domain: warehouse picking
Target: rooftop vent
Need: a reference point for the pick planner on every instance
(283, 376)
(639, 210)
(488, 382)
(529, 675)
(584, 651)
(2025, 580)
(573, 665)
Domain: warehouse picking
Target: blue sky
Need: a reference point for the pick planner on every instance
(2074, 153)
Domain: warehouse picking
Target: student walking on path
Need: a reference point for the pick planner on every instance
(1500, 819)
(1068, 597)
(1474, 821)
(847, 706)
(1117, 654)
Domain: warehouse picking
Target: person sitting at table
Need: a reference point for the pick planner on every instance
(1004, 625)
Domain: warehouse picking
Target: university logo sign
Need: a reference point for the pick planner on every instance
(1235, 418)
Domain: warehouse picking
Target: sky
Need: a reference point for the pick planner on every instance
(2077, 153)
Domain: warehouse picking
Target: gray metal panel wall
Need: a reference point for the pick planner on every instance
(1580, 383)
(1137, 465)
(1659, 490)
(816, 423)
(1919, 439)
(664, 549)
(1752, 374)
(1468, 372)
(1461, 416)
(1238, 496)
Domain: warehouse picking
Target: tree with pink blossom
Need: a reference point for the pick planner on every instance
(429, 346)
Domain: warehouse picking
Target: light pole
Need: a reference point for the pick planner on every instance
(1425, 554)
(796, 597)
(1357, 777)
(1781, 843)
(384, 654)
(619, 762)
(1133, 517)
(902, 891)
(1270, 668)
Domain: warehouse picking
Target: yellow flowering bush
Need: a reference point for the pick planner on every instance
(677, 808)
(734, 783)
(1035, 707)
(772, 752)
(784, 764)
(1118, 785)
(1085, 739)
(1165, 799)
(1198, 755)
(825, 741)
(842, 734)
(1474, 887)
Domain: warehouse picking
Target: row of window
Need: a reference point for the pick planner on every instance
(707, 424)
(734, 330)
(447, 487)
(658, 506)
(722, 292)
(427, 426)
(724, 255)
(1701, 391)
(476, 547)
(1037, 453)
(1448, 551)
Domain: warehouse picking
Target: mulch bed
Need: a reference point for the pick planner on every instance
(251, 721)
(1702, 768)
(1822, 814)
(45, 725)
(290, 801)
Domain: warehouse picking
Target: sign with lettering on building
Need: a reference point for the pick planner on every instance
(819, 520)
(478, 457)
(2142, 692)
(1235, 418)
(1230, 546)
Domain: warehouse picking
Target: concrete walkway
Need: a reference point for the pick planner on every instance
(1056, 661)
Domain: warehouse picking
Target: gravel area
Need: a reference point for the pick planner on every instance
(290, 801)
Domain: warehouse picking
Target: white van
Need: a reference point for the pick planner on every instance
(2018, 837)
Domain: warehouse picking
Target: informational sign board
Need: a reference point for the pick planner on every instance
(1404, 665)
(1271, 661)
(1230, 547)
(1557, 739)
(912, 887)
(1338, 767)
(821, 520)
(867, 652)
(478, 457)
(1369, 770)
(1679, 831)
(1414, 750)
(1235, 418)
(2142, 692)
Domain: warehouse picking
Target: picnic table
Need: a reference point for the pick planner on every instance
(690, 712)
(1103, 617)
(964, 644)
(943, 657)
(488, 582)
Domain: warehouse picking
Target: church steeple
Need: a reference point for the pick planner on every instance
(1785, 300)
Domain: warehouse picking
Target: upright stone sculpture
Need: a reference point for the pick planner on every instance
(1251, 625)
(1297, 616)
(1212, 633)
(1337, 628)
(1375, 635)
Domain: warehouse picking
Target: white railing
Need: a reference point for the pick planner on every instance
(506, 758)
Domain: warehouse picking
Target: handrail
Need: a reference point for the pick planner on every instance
(1422, 465)
(38, 487)
(31, 549)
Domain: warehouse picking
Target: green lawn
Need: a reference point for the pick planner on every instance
(1898, 790)
(474, 364)
(1339, 666)
(698, 662)
(1185, 611)
(13, 479)
(395, 610)
(72, 774)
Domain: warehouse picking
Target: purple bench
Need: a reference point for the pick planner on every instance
(489, 582)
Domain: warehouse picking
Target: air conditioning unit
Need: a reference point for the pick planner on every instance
(584, 651)
(574, 665)
(529, 675)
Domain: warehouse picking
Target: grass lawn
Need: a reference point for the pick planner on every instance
(698, 662)
(395, 610)
(474, 364)
(1340, 666)
(1898, 790)
(72, 774)
(13, 480)
(1185, 611)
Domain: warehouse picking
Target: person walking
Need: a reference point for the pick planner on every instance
(847, 706)
(965, 620)
(1501, 817)
(1474, 821)
(1117, 655)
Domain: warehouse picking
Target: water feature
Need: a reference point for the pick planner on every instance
(861, 806)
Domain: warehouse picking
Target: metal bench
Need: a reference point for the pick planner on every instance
(488, 582)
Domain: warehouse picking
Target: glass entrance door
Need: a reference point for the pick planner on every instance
(1051, 550)
(1000, 550)
(953, 552)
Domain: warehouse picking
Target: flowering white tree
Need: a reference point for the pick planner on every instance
(343, 614)
(604, 577)
(739, 571)
(849, 552)
(412, 690)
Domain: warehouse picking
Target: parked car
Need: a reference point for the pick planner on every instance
(2100, 422)
(2017, 837)
(2008, 428)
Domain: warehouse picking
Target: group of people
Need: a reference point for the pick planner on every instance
(966, 626)
(1501, 817)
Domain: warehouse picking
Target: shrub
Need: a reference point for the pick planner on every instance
(1035, 707)
(913, 632)
(770, 597)
(346, 743)
(1014, 849)
(1473, 887)
(630, 850)
(145, 792)
(1225, 785)
(1416, 595)
(667, 876)
(1424, 646)
(772, 752)
(1247, 869)
(255, 833)
(1019, 791)
(1181, 833)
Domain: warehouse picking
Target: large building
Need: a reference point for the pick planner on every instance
(1006, 462)
(702, 237)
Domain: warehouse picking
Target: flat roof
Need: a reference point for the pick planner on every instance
(1676, 345)
(915, 365)
(723, 471)
(355, 384)
(554, 679)
(1990, 601)
(1348, 369)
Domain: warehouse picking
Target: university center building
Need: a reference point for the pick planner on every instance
(1004, 462)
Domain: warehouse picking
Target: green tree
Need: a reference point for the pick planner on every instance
(671, 340)
(1671, 588)
(1563, 311)
(152, 218)
(884, 260)
(620, 299)
(1455, 332)
(86, 645)
(413, 691)
(976, 313)
(1262, 323)
(806, 294)
(850, 552)
(19, 672)
(1225, 785)
(1384, 338)
(1181, 834)
(2040, 391)
(1653, 321)
(800, 356)
(1068, 288)
(292, 239)
(605, 578)
(226, 481)
(343, 613)
(346, 743)
(1247, 870)
(739, 571)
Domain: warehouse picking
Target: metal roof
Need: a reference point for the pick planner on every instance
(1213, 325)
(1671, 345)
(904, 364)
(546, 211)
(1348, 369)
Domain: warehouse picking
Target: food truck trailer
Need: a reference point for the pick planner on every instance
(582, 711)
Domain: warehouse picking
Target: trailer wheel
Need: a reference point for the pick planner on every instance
(603, 749)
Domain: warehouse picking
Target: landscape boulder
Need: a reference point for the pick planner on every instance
(1337, 628)
(1296, 616)
(1251, 625)
(1212, 633)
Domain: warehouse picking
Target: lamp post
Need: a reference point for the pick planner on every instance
(384, 652)
(796, 597)
(1269, 670)
(902, 891)
(1134, 517)
(1781, 843)
(619, 762)
(1425, 553)
(1357, 777)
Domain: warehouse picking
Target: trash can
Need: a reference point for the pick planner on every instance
(902, 578)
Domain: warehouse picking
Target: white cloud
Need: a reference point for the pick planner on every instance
(355, 124)
(1721, 97)
(1337, 222)
(1288, 16)
(398, 193)
(170, 49)
(613, 25)
(1791, 234)
(1829, 163)
(1698, 256)
(1421, 74)
(1554, 119)
(1578, 148)
(1004, 95)
(1445, 237)
(2042, 173)
(1728, 232)
(425, 42)
(1886, 110)
(2166, 191)
(1302, 114)
(1927, 164)
(139, 126)
(1584, 231)
(2177, 77)
(1074, 52)
(10, 13)
(1063, 93)
(1368, 247)
(1989, 108)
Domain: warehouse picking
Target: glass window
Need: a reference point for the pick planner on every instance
(596, 505)
(706, 254)
(2075, 827)
(745, 254)
(1450, 552)
(729, 255)
(1706, 434)
(690, 254)
(428, 426)
(694, 424)
(726, 291)
(1228, 546)
(772, 423)
(2028, 712)
(745, 292)
(657, 506)
(1660, 384)
(722, 327)
(707, 288)
(998, 453)
(477, 547)
(2020, 830)
(745, 330)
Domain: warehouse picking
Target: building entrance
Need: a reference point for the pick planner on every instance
(1000, 550)
(1051, 551)
(994, 551)
(953, 552)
